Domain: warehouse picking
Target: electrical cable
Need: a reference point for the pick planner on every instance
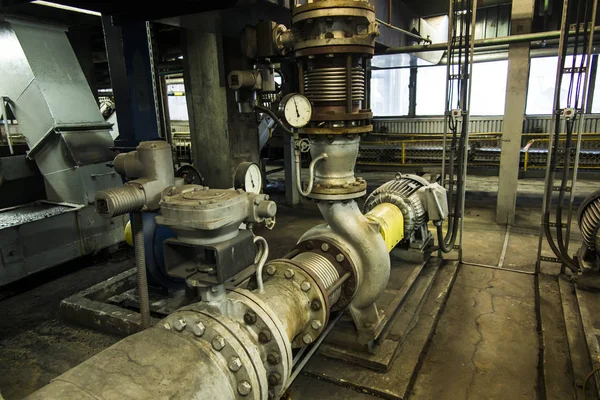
(587, 378)
(446, 243)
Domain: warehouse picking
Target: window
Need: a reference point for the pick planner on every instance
(389, 92)
(542, 79)
(431, 90)
(488, 90)
(177, 103)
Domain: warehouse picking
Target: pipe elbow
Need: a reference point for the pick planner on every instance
(361, 238)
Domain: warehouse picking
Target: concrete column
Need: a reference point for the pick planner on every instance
(514, 113)
(221, 137)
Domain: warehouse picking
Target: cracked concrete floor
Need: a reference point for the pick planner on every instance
(486, 343)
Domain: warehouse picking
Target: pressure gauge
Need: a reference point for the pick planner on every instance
(296, 110)
(248, 176)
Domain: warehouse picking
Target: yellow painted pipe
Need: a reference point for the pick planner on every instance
(391, 223)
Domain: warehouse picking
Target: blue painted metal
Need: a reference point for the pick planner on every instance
(129, 60)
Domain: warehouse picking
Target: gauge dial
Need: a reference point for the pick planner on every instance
(248, 176)
(296, 110)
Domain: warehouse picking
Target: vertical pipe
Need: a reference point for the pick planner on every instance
(465, 120)
(448, 83)
(526, 160)
(5, 119)
(403, 153)
(140, 265)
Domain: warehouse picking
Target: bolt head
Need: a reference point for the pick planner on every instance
(309, 245)
(289, 273)
(305, 286)
(274, 379)
(271, 270)
(179, 324)
(274, 358)
(307, 339)
(250, 317)
(234, 364)
(316, 324)
(340, 258)
(166, 325)
(265, 336)
(244, 388)
(198, 328)
(218, 343)
(325, 247)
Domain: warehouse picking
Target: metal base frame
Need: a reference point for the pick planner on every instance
(401, 353)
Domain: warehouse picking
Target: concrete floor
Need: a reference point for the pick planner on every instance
(485, 345)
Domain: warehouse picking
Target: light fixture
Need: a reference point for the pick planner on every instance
(67, 8)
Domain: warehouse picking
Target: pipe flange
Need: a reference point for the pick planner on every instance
(275, 348)
(230, 353)
(316, 293)
(358, 186)
(350, 130)
(342, 262)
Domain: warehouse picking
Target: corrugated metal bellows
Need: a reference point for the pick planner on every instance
(329, 84)
(589, 221)
(323, 269)
(402, 192)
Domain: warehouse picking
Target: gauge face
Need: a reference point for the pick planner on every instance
(296, 109)
(248, 176)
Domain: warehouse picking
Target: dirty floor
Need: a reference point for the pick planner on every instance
(485, 346)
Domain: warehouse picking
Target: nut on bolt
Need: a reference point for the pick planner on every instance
(274, 358)
(198, 328)
(244, 388)
(265, 336)
(271, 270)
(307, 339)
(340, 257)
(274, 379)
(316, 324)
(218, 343)
(325, 247)
(234, 364)
(315, 305)
(305, 286)
(250, 317)
(289, 273)
(179, 324)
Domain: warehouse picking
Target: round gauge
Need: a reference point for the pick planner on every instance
(248, 176)
(296, 110)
